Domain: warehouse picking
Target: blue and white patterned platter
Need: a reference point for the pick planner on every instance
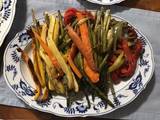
(7, 12)
(19, 80)
(105, 2)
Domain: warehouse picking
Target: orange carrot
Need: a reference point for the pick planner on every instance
(82, 48)
(73, 51)
(70, 57)
(46, 49)
(86, 41)
(93, 76)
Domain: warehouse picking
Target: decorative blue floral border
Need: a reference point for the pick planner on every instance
(6, 8)
(7, 13)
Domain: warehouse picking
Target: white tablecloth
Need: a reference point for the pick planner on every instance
(147, 105)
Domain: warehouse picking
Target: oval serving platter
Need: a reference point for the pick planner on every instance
(105, 2)
(19, 80)
(7, 13)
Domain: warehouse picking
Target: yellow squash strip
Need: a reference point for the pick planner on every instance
(38, 92)
(51, 86)
(45, 58)
(56, 31)
(38, 64)
(59, 87)
(110, 39)
(42, 52)
(44, 32)
(46, 48)
(51, 81)
(58, 55)
(35, 64)
(62, 63)
(41, 70)
(45, 94)
(51, 28)
(76, 87)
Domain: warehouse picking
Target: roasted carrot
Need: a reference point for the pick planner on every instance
(78, 42)
(93, 76)
(76, 39)
(70, 57)
(86, 41)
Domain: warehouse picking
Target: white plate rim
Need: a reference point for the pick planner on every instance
(105, 3)
(13, 9)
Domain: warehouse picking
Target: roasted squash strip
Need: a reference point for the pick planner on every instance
(46, 48)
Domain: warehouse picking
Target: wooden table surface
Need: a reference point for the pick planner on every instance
(7, 112)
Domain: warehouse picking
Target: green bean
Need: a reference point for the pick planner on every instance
(62, 31)
(94, 43)
(107, 18)
(46, 18)
(79, 61)
(103, 61)
(93, 38)
(103, 84)
(106, 22)
(35, 21)
(118, 62)
(98, 91)
(69, 102)
(110, 39)
(99, 14)
(74, 24)
(104, 41)
(111, 86)
(61, 23)
(93, 96)
(117, 33)
(85, 91)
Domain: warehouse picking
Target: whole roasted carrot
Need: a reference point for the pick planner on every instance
(86, 41)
